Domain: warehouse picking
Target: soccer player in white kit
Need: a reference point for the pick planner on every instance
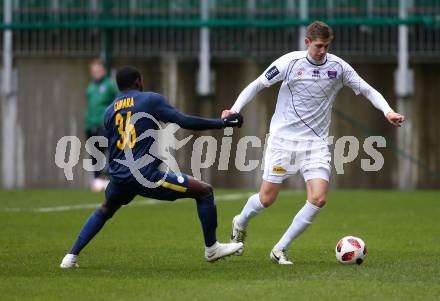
(299, 129)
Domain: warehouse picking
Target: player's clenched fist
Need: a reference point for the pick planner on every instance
(226, 113)
(395, 119)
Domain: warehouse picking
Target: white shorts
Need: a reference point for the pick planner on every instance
(284, 158)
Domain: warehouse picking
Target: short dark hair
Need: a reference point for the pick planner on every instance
(126, 77)
(319, 30)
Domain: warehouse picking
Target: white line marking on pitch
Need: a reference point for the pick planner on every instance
(146, 202)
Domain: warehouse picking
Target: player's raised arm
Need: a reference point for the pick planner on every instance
(360, 86)
(274, 73)
(167, 113)
(245, 97)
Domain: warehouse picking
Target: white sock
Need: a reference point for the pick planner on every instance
(251, 209)
(300, 222)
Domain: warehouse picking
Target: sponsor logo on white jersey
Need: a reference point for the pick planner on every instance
(272, 72)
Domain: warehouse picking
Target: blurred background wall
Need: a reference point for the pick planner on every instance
(228, 43)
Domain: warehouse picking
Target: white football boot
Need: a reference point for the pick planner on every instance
(280, 257)
(219, 250)
(238, 234)
(69, 261)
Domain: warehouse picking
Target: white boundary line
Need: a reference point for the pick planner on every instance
(146, 202)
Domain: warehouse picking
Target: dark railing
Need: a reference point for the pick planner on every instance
(364, 28)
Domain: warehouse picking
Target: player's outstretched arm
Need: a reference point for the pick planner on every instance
(245, 97)
(359, 85)
(198, 123)
(163, 111)
(395, 119)
(274, 73)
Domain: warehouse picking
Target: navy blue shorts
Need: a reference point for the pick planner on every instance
(172, 188)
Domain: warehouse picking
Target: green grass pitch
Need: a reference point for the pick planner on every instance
(154, 251)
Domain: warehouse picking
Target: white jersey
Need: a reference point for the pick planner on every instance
(305, 99)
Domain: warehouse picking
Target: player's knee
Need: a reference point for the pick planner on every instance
(108, 211)
(267, 198)
(318, 199)
(206, 190)
(206, 199)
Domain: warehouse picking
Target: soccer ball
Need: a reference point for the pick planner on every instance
(350, 250)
